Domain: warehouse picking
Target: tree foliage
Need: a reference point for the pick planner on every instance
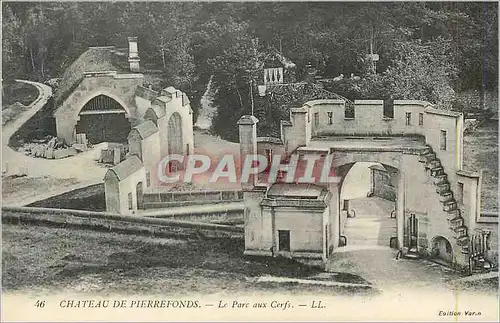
(428, 50)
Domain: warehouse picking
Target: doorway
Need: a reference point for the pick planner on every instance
(284, 240)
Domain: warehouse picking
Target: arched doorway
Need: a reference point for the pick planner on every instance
(103, 119)
(442, 249)
(368, 216)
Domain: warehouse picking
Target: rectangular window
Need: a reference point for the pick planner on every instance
(349, 111)
(148, 179)
(389, 108)
(330, 117)
(316, 119)
(420, 119)
(408, 118)
(442, 140)
(130, 204)
(284, 240)
(460, 193)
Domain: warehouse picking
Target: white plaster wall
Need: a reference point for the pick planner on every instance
(128, 185)
(305, 227)
(151, 155)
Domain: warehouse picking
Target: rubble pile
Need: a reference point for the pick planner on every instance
(51, 148)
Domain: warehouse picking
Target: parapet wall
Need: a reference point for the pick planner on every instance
(442, 129)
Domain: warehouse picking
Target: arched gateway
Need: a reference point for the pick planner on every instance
(103, 119)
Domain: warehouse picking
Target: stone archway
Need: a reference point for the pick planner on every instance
(441, 249)
(366, 219)
(103, 119)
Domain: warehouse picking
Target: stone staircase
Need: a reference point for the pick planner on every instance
(443, 189)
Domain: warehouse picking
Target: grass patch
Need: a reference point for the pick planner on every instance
(61, 259)
(18, 92)
(481, 152)
(13, 112)
(90, 198)
(41, 125)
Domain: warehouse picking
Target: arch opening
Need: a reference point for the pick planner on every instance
(441, 249)
(103, 119)
(367, 194)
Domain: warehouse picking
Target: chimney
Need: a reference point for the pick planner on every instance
(133, 54)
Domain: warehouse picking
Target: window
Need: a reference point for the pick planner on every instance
(460, 193)
(408, 118)
(389, 108)
(330, 117)
(148, 179)
(284, 240)
(316, 119)
(308, 117)
(442, 140)
(130, 206)
(349, 111)
(420, 119)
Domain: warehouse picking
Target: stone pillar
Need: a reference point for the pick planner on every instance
(400, 208)
(334, 189)
(133, 54)
(248, 145)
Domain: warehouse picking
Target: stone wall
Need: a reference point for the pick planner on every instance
(120, 87)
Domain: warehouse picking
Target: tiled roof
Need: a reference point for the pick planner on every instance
(146, 129)
(126, 167)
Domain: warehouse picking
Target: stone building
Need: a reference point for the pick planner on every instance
(103, 96)
(420, 150)
(107, 86)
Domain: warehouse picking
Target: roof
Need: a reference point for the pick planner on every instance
(126, 168)
(146, 93)
(171, 90)
(146, 129)
(292, 190)
(94, 59)
(159, 112)
(274, 53)
(164, 99)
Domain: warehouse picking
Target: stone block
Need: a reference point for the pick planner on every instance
(50, 153)
(79, 147)
(63, 153)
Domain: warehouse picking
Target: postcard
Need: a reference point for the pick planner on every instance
(249, 161)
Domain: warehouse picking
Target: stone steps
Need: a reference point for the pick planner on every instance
(446, 197)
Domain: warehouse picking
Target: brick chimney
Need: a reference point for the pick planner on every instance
(133, 54)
